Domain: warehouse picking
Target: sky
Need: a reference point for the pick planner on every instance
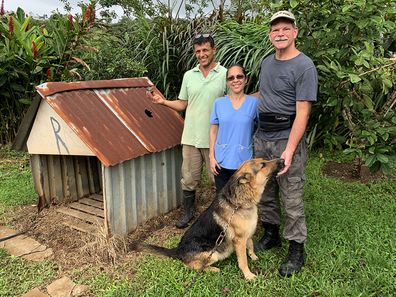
(42, 7)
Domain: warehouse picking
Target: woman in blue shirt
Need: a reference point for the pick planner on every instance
(232, 126)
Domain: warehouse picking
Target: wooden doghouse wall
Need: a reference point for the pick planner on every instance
(61, 178)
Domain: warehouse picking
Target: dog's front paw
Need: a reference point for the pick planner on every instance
(250, 276)
(253, 256)
(212, 269)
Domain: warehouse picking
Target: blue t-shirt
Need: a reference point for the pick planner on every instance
(234, 137)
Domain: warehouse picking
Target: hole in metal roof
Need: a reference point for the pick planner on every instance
(148, 113)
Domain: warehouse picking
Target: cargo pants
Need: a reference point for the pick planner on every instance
(286, 190)
(193, 161)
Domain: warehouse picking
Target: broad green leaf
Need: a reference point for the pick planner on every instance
(386, 169)
(293, 3)
(382, 158)
(346, 8)
(385, 136)
(387, 82)
(370, 160)
(323, 68)
(37, 69)
(354, 78)
(349, 151)
(368, 102)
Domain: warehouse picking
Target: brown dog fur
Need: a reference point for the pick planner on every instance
(234, 210)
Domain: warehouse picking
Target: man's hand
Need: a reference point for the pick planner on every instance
(155, 98)
(288, 157)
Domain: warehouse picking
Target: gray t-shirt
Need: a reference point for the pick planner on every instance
(282, 83)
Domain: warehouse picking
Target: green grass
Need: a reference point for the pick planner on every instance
(350, 251)
(16, 184)
(17, 276)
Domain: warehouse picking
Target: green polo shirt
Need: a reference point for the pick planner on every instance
(200, 92)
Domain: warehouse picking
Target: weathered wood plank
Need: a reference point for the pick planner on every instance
(96, 197)
(82, 226)
(86, 208)
(80, 215)
(91, 202)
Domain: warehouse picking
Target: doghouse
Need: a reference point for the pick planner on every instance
(104, 149)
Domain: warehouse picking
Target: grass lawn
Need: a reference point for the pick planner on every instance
(350, 251)
(17, 276)
(16, 184)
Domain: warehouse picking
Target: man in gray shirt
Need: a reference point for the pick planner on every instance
(288, 86)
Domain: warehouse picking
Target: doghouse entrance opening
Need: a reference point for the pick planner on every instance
(86, 215)
(74, 183)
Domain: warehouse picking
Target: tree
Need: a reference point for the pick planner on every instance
(351, 42)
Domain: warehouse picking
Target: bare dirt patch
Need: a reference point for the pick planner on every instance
(74, 249)
(347, 172)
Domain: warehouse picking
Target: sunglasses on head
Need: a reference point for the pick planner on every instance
(238, 76)
(205, 35)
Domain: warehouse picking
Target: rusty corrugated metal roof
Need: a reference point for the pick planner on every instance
(115, 118)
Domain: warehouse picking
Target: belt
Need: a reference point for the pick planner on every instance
(270, 122)
(276, 117)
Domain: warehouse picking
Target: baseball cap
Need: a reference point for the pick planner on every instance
(283, 14)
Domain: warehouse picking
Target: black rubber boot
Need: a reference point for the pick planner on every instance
(270, 238)
(294, 260)
(189, 208)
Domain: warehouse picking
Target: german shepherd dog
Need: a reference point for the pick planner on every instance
(233, 212)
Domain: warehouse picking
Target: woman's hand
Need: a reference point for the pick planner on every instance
(214, 166)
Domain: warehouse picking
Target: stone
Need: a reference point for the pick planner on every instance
(22, 245)
(4, 232)
(62, 287)
(35, 293)
(40, 255)
(79, 290)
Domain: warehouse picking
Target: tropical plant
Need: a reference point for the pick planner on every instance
(164, 47)
(350, 42)
(111, 59)
(246, 44)
(21, 50)
(56, 49)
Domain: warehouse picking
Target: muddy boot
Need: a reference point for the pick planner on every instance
(294, 260)
(188, 205)
(270, 238)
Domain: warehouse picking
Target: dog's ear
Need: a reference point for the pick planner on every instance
(245, 178)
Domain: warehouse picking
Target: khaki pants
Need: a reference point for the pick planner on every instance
(289, 186)
(193, 161)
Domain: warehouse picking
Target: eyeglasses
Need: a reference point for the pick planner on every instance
(238, 76)
(205, 35)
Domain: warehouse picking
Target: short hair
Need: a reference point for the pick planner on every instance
(202, 38)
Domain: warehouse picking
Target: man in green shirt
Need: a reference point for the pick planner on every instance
(200, 87)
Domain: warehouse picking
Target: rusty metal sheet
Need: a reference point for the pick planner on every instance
(156, 126)
(51, 88)
(114, 118)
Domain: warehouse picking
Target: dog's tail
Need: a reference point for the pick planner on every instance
(155, 249)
